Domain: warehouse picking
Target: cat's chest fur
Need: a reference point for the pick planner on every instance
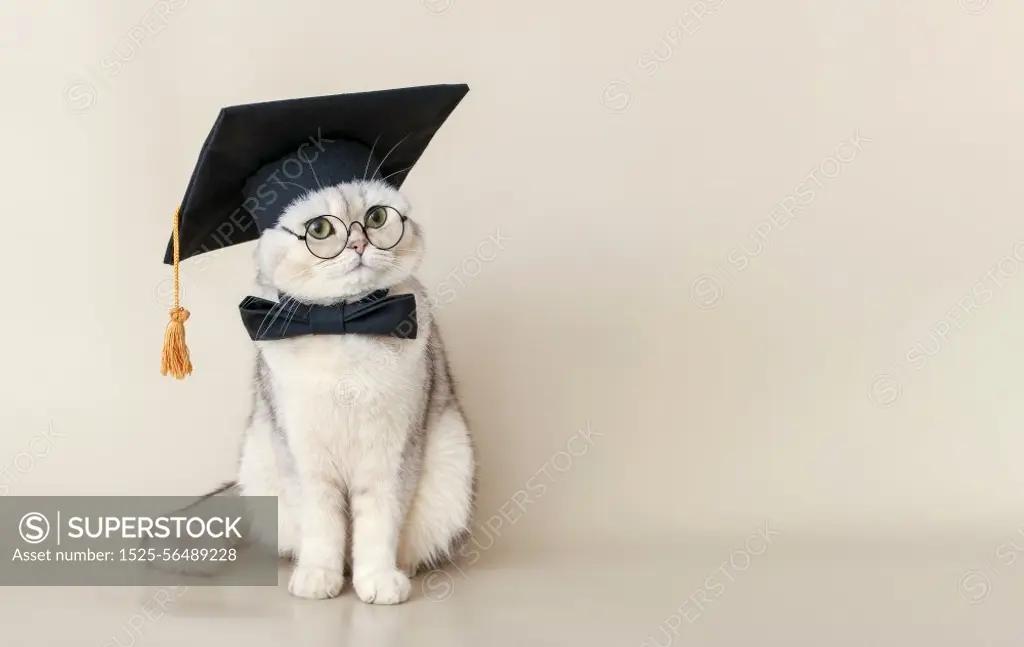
(341, 389)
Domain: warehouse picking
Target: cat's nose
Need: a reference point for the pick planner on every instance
(358, 244)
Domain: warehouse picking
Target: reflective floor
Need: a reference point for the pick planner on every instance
(744, 591)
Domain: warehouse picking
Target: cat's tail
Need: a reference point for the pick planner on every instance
(229, 488)
(205, 506)
(208, 504)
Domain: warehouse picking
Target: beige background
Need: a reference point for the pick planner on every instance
(615, 198)
(792, 389)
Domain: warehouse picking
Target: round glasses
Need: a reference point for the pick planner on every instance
(327, 236)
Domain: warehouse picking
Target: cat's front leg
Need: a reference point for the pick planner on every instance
(377, 513)
(320, 560)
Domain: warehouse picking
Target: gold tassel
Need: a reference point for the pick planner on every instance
(175, 358)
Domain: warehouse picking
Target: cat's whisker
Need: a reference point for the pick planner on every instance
(271, 313)
(279, 310)
(369, 157)
(277, 315)
(395, 173)
(291, 313)
(379, 166)
(313, 171)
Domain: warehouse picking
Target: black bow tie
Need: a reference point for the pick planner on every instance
(376, 314)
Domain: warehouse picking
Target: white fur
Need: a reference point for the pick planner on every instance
(347, 406)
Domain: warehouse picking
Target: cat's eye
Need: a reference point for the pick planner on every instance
(325, 236)
(384, 226)
(319, 228)
(376, 217)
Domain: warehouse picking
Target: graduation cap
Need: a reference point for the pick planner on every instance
(260, 157)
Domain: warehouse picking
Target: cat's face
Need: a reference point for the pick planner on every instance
(289, 265)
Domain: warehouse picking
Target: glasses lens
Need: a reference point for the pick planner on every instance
(384, 227)
(326, 236)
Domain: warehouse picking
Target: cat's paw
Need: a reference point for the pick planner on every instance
(315, 583)
(382, 587)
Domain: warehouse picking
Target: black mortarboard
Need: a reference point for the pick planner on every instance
(260, 157)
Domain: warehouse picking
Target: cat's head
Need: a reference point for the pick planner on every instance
(306, 254)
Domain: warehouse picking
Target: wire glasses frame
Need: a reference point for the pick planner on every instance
(326, 237)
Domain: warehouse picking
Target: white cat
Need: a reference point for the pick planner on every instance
(360, 437)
